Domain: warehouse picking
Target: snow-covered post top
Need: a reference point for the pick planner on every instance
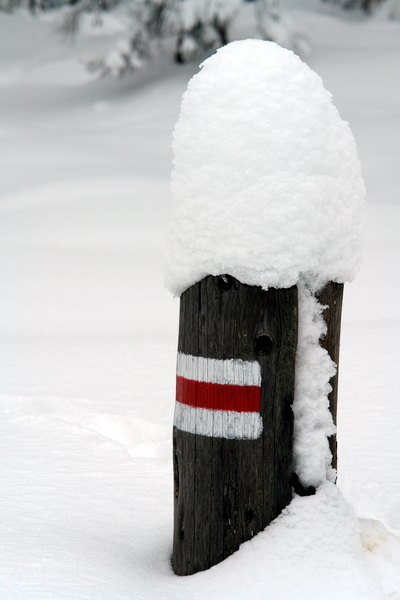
(266, 184)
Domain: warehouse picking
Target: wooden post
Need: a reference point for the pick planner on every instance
(331, 296)
(233, 422)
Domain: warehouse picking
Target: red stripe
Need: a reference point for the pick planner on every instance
(201, 394)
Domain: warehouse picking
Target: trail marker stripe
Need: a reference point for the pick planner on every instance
(233, 371)
(201, 394)
(218, 398)
(218, 423)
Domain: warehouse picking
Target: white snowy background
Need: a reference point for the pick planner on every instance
(88, 335)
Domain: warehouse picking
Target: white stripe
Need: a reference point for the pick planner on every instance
(233, 371)
(218, 423)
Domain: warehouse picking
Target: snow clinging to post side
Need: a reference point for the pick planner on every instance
(267, 187)
(313, 422)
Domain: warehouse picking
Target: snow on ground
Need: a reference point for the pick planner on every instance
(88, 337)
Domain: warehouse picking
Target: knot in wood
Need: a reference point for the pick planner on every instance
(263, 344)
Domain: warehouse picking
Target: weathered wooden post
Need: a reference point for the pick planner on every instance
(233, 421)
(266, 228)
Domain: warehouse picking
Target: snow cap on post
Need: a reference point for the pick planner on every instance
(267, 185)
